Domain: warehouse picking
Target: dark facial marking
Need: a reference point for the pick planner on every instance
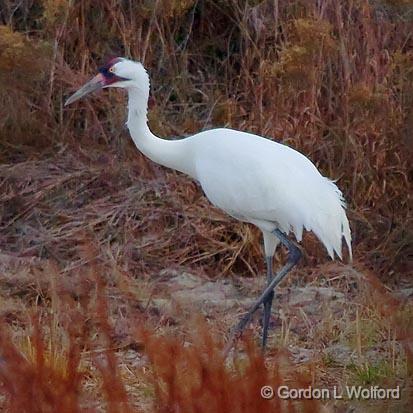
(107, 74)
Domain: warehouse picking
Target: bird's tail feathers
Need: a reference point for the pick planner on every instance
(330, 224)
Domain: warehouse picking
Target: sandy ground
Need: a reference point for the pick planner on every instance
(334, 324)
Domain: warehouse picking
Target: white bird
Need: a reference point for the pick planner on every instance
(251, 178)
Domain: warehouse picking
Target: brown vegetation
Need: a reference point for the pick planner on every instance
(69, 360)
(333, 79)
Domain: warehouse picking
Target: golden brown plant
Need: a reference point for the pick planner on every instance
(77, 367)
(333, 81)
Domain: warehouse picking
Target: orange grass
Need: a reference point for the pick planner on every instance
(79, 369)
(334, 81)
(90, 341)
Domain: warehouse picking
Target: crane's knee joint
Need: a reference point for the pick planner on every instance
(294, 255)
(270, 297)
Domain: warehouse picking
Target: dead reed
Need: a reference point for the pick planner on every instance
(333, 79)
(68, 360)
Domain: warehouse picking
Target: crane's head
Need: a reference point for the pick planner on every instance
(117, 72)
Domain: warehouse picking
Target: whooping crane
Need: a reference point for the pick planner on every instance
(251, 178)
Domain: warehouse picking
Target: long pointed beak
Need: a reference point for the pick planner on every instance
(98, 82)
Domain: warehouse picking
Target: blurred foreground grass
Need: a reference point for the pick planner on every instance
(333, 79)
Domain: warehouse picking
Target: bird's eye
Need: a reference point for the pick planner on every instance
(112, 70)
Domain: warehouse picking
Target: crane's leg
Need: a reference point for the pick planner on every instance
(267, 304)
(294, 255)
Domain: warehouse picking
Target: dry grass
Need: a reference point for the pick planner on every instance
(68, 358)
(92, 341)
(333, 79)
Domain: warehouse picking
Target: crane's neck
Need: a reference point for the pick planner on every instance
(175, 154)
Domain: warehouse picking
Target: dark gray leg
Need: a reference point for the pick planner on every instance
(267, 304)
(294, 255)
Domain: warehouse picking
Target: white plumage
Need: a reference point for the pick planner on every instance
(270, 185)
(251, 178)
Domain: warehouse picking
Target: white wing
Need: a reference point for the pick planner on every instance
(269, 184)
